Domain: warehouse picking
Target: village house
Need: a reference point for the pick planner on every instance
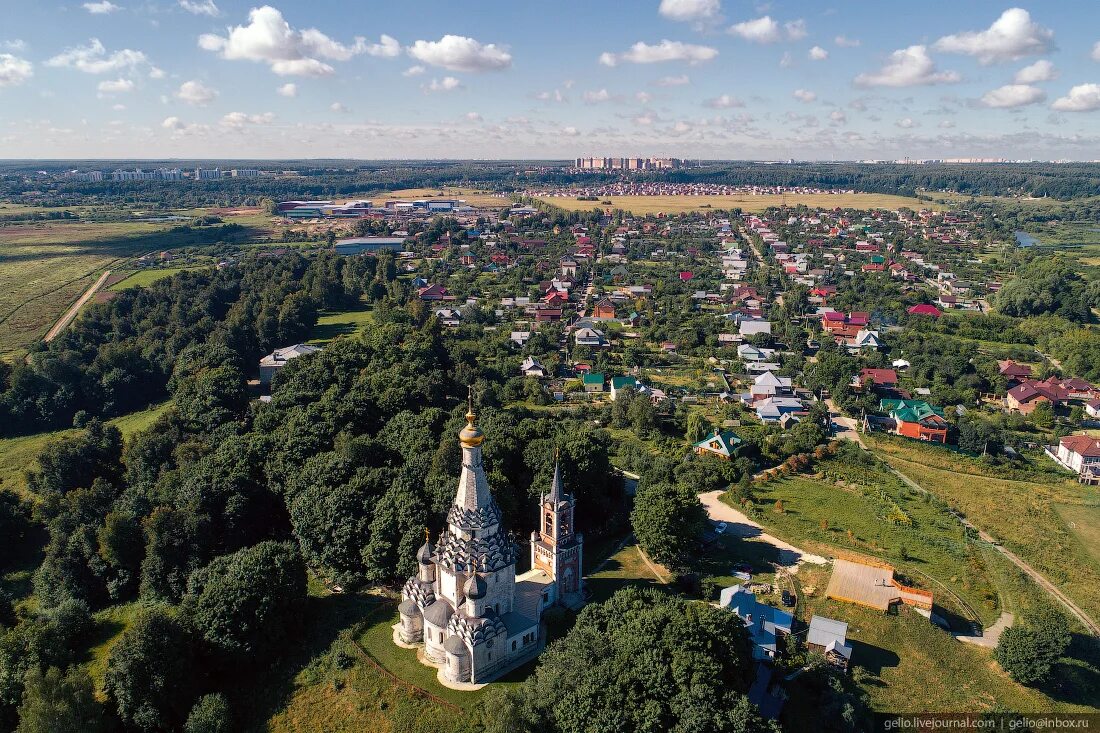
(604, 310)
(1080, 454)
(766, 625)
(589, 337)
(916, 419)
(829, 638)
(277, 359)
(592, 383)
(531, 367)
(722, 443)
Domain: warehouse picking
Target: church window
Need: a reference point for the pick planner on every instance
(514, 643)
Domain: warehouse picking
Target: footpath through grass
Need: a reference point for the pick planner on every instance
(1026, 515)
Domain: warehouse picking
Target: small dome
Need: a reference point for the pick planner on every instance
(455, 645)
(438, 614)
(408, 607)
(470, 436)
(424, 554)
(475, 587)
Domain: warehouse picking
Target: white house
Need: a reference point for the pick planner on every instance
(1080, 454)
(277, 359)
(748, 352)
(532, 368)
(770, 384)
(520, 338)
(589, 337)
(751, 328)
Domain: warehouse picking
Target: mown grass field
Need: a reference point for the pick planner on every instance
(44, 267)
(678, 204)
(334, 324)
(1026, 515)
(1084, 523)
(17, 455)
(145, 278)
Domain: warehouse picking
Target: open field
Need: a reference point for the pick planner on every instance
(1020, 513)
(333, 324)
(472, 196)
(869, 517)
(679, 204)
(44, 268)
(145, 278)
(1084, 523)
(17, 455)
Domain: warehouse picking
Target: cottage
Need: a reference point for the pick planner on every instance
(592, 383)
(765, 624)
(829, 637)
(531, 367)
(520, 338)
(1080, 454)
(917, 419)
(779, 410)
(618, 384)
(604, 310)
(723, 443)
(589, 337)
(277, 359)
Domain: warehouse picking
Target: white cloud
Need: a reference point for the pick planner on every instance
(386, 48)
(288, 90)
(118, 107)
(16, 44)
(817, 53)
(946, 124)
(760, 30)
(787, 61)
(672, 81)
(103, 7)
(1013, 95)
(473, 117)
(838, 116)
(339, 108)
(684, 10)
(796, 29)
(155, 73)
(1081, 98)
(1041, 70)
(459, 53)
(414, 71)
(724, 101)
(196, 93)
(804, 96)
(1012, 36)
(906, 123)
(646, 118)
(172, 123)
(14, 71)
(446, 84)
(1096, 51)
(118, 86)
(644, 53)
(907, 67)
(551, 96)
(94, 59)
(597, 96)
(845, 42)
(238, 120)
(200, 7)
(643, 97)
(570, 131)
(268, 38)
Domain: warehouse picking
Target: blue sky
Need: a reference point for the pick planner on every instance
(428, 79)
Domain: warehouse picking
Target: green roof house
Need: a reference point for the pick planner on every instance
(723, 443)
(592, 382)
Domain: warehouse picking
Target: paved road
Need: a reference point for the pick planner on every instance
(741, 526)
(70, 314)
(990, 636)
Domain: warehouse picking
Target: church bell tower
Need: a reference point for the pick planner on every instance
(556, 548)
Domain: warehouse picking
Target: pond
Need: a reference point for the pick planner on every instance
(1023, 239)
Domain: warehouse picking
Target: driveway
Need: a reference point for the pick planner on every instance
(739, 525)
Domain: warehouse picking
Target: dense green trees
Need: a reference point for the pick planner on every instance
(57, 702)
(641, 661)
(152, 672)
(668, 520)
(1048, 285)
(242, 604)
(1029, 649)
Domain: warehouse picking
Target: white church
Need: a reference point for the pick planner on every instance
(474, 617)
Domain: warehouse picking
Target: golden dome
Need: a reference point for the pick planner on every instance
(470, 436)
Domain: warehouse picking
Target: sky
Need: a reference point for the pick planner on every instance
(710, 79)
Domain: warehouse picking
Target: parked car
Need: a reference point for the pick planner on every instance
(720, 527)
(789, 598)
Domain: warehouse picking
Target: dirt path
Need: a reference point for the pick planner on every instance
(741, 526)
(990, 636)
(70, 314)
(1086, 620)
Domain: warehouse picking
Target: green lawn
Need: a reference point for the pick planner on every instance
(331, 325)
(1084, 523)
(17, 455)
(625, 567)
(145, 278)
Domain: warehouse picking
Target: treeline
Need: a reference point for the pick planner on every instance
(120, 355)
(212, 515)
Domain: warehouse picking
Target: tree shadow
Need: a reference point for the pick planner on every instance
(872, 658)
(258, 696)
(1075, 678)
